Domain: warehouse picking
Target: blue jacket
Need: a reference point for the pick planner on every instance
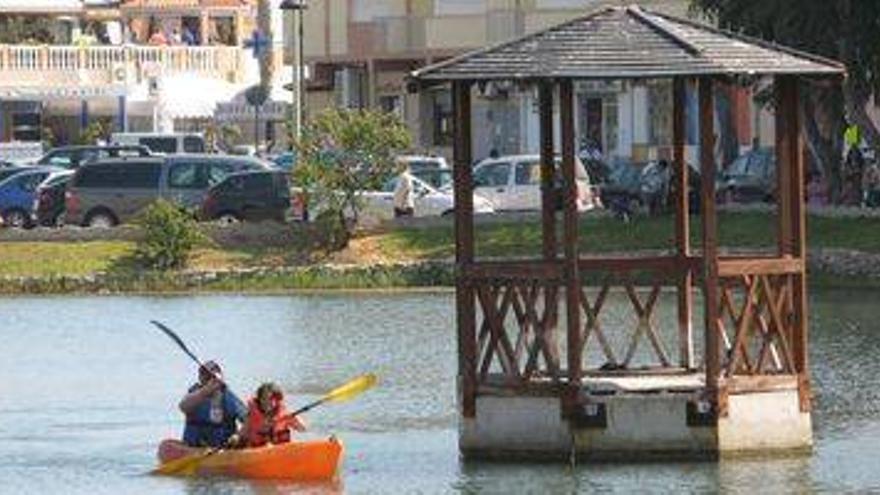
(214, 420)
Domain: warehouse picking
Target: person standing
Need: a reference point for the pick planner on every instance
(871, 186)
(404, 195)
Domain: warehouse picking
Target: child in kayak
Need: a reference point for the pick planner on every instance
(267, 421)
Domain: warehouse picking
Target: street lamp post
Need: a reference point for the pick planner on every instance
(297, 7)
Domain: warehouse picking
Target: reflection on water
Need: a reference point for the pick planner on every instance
(88, 388)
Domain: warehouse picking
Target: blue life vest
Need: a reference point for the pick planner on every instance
(214, 420)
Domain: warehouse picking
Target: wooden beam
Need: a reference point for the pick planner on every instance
(464, 247)
(682, 225)
(521, 269)
(710, 233)
(570, 240)
(759, 266)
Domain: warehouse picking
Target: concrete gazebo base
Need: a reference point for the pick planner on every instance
(635, 417)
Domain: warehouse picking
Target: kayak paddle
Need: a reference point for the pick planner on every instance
(177, 340)
(186, 466)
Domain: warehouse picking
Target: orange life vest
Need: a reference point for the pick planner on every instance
(262, 429)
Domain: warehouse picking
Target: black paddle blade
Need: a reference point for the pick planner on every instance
(169, 332)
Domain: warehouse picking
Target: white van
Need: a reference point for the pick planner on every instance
(513, 183)
(162, 143)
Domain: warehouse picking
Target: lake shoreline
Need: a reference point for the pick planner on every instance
(831, 269)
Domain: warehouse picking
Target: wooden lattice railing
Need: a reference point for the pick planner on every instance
(641, 280)
(517, 333)
(757, 316)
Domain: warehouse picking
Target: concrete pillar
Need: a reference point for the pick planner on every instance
(83, 115)
(204, 28)
(122, 113)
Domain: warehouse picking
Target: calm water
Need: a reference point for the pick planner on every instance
(88, 387)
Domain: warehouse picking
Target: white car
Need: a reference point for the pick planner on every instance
(428, 201)
(418, 163)
(513, 183)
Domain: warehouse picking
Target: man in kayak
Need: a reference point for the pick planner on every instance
(212, 411)
(267, 420)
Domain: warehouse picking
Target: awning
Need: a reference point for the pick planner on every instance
(276, 106)
(187, 95)
(48, 93)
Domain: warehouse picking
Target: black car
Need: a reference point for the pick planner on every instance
(49, 202)
(249, 196)
(73, 156)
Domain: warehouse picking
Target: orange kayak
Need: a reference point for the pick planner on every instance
(308, 460)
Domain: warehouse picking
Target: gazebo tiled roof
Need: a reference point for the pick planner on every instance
(620, 43)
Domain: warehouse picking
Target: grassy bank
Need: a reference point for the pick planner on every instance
(603, 234)
(383, 259)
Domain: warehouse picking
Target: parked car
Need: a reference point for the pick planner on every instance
(418, 163)
(164, 143)
(513, 183)
(750, 177)
(7, 172)
(109, 192)
(49, 200)
(438, 178)
(428, 201)
(249, 196)
(17, 194)
(73, 156)
(284, 161)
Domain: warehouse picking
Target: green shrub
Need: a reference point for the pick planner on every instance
(170, 235)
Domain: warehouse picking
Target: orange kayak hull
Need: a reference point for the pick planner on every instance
(308, 460)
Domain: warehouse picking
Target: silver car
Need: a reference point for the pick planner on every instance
(110, 192)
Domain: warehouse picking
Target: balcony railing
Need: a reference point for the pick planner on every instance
(113, 64)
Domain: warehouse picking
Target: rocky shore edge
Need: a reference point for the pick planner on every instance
(827, 267)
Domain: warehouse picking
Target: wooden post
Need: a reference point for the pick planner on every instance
(464, 247)
(548, 199)
(682, 227)
(710, 233)
(548, 210)
(570, 241)
(784, 162)
(794, 243)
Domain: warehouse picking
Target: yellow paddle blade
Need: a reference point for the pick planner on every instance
(351, 389)
(185, 466)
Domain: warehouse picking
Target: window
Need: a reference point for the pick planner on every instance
(369, 10)
(160, 144)
(184, 176)
(137, 175)
(217, 172)
(528, 173)
(660, 113)
(442, 118)
(30, 182)
(258, 182)
(459, 7)
(96, 176)
(193, 144)
(492, 175)
(391, 104)
(58, 179)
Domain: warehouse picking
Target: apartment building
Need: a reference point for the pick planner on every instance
(358, 53)
(143, 64)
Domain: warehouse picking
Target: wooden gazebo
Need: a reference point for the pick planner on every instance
(526, 387)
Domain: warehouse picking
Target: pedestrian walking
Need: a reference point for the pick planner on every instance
(404, 195)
